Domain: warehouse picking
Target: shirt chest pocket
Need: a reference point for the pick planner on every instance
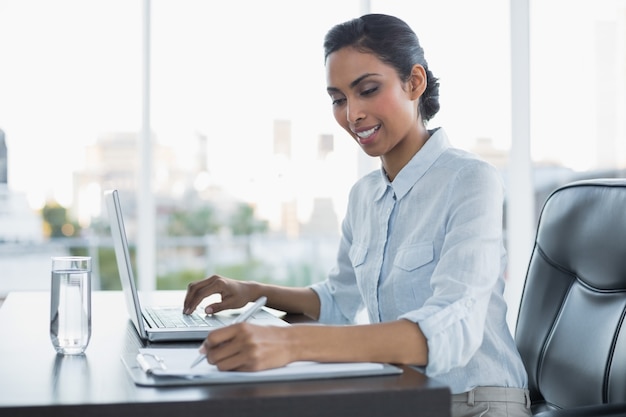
(413, 256)
(413, 266)
(357, 254)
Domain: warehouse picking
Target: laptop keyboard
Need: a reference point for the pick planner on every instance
(174, 317)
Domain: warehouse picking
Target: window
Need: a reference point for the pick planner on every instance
(248, 159)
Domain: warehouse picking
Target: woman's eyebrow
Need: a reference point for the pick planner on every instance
(361, 78)
(354, 83)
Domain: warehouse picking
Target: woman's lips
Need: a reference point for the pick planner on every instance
(368, 135)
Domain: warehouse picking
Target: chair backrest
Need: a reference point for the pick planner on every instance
(571, 328)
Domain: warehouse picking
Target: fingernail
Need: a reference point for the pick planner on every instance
(208, 310)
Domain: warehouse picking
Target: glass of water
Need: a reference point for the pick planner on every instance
(70, 304)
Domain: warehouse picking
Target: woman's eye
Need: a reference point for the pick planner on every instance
(369, 91)
(338, 101)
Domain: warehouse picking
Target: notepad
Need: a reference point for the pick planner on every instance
(170, 366)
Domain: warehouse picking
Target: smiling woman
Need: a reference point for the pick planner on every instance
(239, 107)
(355, 93)
(421, 247)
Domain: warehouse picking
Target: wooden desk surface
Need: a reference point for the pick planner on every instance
(34, 381)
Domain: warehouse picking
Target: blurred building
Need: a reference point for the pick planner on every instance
(113, 163)
(4, 160)
(323, 221)
(485, 148)
(18, 222)
(325, 146)
(282, 138)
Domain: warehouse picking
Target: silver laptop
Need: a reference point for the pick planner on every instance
(163, 323)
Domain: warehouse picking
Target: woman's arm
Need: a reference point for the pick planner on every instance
(288, 299)
(246, 347)
(235, 294)
(400, 342)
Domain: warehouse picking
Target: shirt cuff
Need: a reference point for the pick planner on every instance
(443, 329)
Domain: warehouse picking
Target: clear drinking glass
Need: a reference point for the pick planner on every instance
(70, 304)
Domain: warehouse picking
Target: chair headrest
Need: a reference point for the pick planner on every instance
(582, 229)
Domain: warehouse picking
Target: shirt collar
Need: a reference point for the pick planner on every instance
(437, 144)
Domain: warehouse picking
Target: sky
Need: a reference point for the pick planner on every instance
(70, 71)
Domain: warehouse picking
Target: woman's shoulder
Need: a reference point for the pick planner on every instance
(370, 184)
(462, 160)
(457, 158)
(468, 171)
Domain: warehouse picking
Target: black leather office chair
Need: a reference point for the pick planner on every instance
(571, 328)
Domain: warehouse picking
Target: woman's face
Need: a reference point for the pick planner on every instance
(371, 102)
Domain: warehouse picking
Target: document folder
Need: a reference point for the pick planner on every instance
(170, 367)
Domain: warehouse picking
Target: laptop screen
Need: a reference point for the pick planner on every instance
(122, 255)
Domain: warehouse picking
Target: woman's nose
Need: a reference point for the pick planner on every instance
(354, 112)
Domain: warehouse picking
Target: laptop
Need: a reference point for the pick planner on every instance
(164, 323)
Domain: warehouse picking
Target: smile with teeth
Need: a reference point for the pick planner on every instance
(367, 133)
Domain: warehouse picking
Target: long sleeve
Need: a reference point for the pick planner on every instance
(453, 318)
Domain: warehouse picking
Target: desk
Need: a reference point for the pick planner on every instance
(34, 381)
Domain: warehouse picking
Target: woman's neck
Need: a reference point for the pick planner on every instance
(398, 157)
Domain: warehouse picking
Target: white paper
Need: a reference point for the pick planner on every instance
(175, 362)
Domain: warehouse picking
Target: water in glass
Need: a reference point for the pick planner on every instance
(70, 305)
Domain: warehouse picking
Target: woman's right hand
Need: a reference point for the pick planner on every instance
(235, 294)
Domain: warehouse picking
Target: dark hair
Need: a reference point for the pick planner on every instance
(394, 43)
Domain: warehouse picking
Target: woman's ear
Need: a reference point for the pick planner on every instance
(417, 81)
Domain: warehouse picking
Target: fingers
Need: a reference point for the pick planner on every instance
(234, 348)
(234, 294)
(194, 295)
(199, 290)
(225, 359)
(221, 348)
(239, 347)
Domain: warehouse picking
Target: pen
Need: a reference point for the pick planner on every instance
(258, 304)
